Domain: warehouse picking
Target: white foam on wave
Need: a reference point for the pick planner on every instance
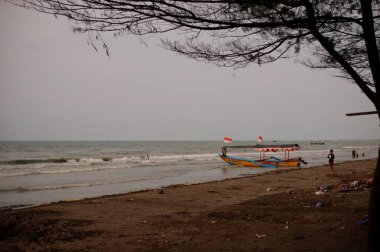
(46, 171)
(85, 167)
(360, 147)
(195, 157)
(127, 159)
(91, 160)
(86, 184)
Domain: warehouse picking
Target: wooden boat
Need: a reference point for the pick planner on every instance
(271, 162)
(317, 143)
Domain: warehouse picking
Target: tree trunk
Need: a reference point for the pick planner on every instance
(374, 211)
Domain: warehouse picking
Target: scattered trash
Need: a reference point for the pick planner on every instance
(286, 227)
(362, 222)
(319, 204)
(343, 188)
(322, 203)
(322, 189)
(269, 189)
(325, 188)
(260, 235)
(213, 222)
(355, 185)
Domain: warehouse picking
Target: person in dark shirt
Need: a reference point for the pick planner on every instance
(331, 157)
(224, 151)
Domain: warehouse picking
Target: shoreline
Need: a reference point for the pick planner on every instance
(245, 175)
(256, 212)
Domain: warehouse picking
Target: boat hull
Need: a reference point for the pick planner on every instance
(266, 163)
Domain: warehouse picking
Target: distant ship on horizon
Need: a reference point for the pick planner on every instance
(317, 142)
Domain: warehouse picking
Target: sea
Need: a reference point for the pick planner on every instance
(42, 172)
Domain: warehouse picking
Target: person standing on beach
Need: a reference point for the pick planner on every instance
(331, 157)
(224, 151)
(353, 153)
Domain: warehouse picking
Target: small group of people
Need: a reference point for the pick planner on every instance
(331, 157)
(355, 154)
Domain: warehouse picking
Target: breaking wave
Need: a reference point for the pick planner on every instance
(90, 160)
(25, 167)
(76, 185)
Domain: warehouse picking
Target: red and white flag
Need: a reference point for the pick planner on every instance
(227, 140)
(260, 139)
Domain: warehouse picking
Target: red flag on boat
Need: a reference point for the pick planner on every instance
(260, 139)
(227, 140)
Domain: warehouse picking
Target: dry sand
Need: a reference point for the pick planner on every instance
(271, 212)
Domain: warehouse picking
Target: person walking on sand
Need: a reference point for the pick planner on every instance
(331, 157)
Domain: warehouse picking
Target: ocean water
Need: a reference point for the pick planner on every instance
(33, 173)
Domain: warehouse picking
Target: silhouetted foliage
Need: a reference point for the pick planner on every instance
(341, 34)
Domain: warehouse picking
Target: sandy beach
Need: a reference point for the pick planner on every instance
(278, 211)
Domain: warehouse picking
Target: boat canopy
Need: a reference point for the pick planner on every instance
(265, 148)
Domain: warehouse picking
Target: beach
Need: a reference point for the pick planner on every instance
(276, 211)
(41, 172)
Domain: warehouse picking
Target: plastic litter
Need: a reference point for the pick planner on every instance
(260, 235)
(355, 185)
(319, 204)
(362, 222)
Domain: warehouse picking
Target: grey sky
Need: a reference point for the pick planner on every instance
(53, 86)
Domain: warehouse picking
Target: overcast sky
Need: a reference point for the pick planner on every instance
(53, 86)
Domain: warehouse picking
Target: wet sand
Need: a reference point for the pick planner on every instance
(278, 211)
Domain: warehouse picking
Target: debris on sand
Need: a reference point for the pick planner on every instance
(260, 235)
(362, 222)
(356, 185)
